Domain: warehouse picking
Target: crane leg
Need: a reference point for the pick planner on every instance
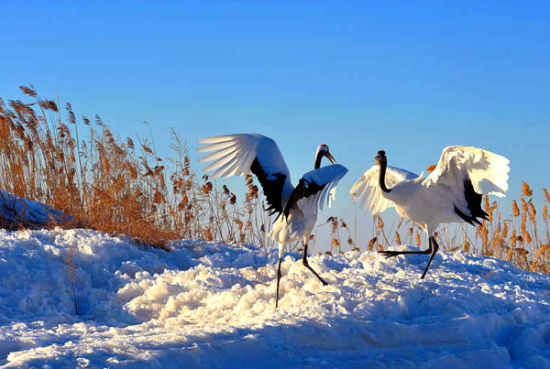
(281, 252)
(391, 253)
(278, 280)
(306, 264)
(434, 249)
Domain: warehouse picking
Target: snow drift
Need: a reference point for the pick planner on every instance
(19, 212)
(210, 305)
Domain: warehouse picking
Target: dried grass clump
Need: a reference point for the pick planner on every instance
(114, 185)
(339, 226)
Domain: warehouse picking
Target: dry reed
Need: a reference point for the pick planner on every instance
(117, 186)
(120, 187)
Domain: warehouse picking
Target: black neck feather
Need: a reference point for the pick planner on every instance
(382, 178)
(318, 159)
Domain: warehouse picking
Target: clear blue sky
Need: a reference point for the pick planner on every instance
(407, 77)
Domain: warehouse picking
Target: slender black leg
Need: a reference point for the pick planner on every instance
(390, 253)
(306, 263)
(278, 280)
(434, 249)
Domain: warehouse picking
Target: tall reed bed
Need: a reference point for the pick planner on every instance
(117, 185)
(120, 186)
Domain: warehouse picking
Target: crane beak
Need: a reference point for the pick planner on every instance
(330, 157)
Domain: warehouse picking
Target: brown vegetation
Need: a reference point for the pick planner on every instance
(122, 187)
(113, 185)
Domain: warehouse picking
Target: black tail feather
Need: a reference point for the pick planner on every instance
(272, 186)
(473, 200)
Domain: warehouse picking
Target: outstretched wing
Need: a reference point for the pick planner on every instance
(239, 154)
(367, 189)
(315, 185)
(327, 176)
(487, 172)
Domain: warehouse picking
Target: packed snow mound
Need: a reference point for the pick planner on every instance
(16, 211)
(210, 305)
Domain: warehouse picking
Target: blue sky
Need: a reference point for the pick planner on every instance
(407, 77)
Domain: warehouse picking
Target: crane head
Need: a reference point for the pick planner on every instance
(323, 150)
(381, 157)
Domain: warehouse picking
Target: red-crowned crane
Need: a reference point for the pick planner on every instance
(239, 154)
(452, 192)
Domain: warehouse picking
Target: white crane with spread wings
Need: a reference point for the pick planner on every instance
(452, 192)
(239, 154)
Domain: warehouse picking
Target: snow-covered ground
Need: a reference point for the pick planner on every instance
(19, 211)
(209, 305)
